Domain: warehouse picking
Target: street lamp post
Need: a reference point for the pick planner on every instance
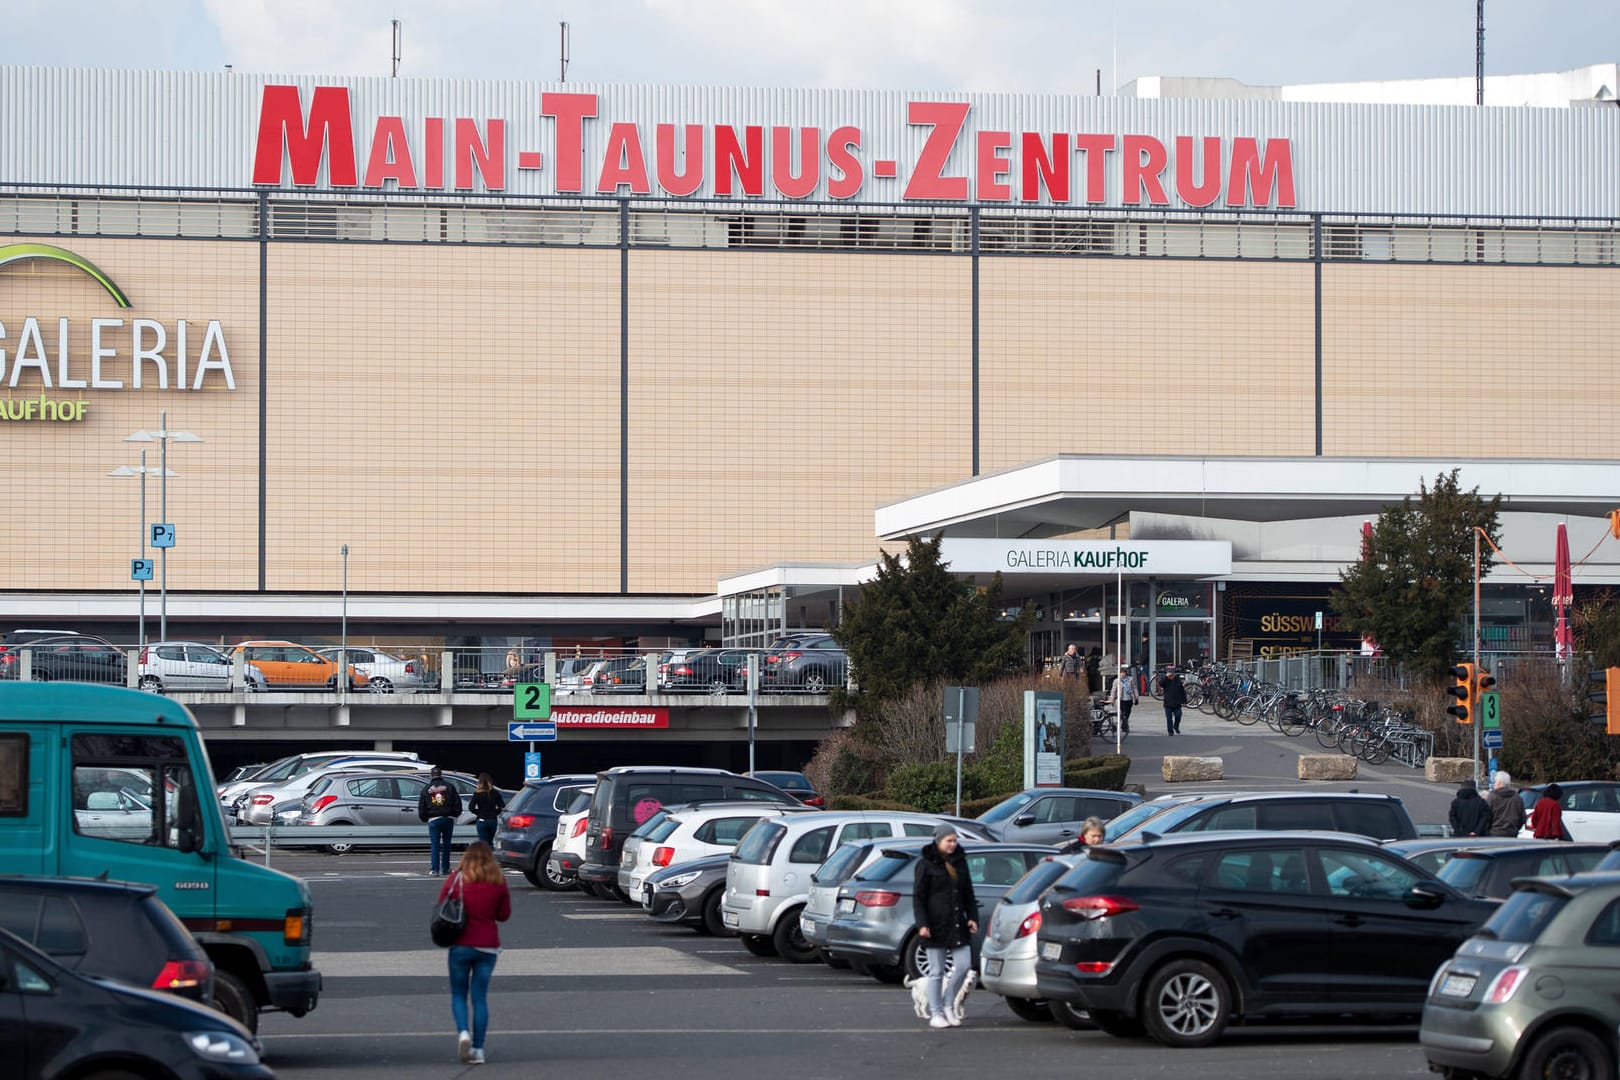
(141, 471)
(162, 436)
(343, 628)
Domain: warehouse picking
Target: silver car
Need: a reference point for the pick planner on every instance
(189, 667)
(280, 803)
(1007, 957)
(821, 903)
(375, 797)
(385, 673)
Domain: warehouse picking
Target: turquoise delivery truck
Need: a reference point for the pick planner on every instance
(102, 781)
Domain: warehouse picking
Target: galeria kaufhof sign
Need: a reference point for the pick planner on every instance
(1099, 558)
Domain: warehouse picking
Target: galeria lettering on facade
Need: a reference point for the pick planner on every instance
(315, 143)
(61, 354)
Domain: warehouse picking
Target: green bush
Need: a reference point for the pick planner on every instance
(973, 808)
(862, 802)
(852, 771)
(1105, 773)
(1001, 764)
(932, 785)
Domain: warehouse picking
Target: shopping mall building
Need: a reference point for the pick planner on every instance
(566, 364)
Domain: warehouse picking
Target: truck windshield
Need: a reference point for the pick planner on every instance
(135, 789)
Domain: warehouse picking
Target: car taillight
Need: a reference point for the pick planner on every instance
(322, 803)
(520, 821)
(663, 856)
(877, 898)
(263, 800)
(579, 827)
(1031, 924)
(815, 800)
(607, 836)
(142, 658)
(1503, 985)
(182, 974)
(683, 670)
(1095, 967)
(410, 667)
(1099, 907)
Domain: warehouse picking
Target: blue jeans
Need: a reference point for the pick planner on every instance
(940, 992)
(486, 829)
(439, 830)
(470, 970)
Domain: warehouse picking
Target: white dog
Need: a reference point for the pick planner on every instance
(919, 994)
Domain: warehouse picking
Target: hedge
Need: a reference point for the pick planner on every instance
(864, 802)
(1106, 773)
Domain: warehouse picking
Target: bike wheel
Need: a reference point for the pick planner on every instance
(1291, 722)
(1246, 710)
(1327, 735)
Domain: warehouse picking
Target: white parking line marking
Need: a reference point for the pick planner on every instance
(638, 961)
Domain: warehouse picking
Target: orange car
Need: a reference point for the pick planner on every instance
(289, 666)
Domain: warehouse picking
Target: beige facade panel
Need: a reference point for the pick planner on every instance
(1470, 361)
(68, 525)
(450, 414)
(1105, 356)
(776, 399)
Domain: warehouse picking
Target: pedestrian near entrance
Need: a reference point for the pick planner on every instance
(1094, 670)
(1071, 665)
(947, 915)
(1124, 699)
(1547, 818)
(1470, 814)
(1175, 696)
(486, 804)
(439, 805)
(486, 901)
(1507, 809)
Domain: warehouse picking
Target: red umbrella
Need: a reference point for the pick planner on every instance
(1369, 644)
(1563, 595)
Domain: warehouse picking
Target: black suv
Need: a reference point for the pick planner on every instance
(63, 656)
(108, 928)
(626, 797)
(803, 664)
(1181, 936)
(1381, 817)
(528, 826)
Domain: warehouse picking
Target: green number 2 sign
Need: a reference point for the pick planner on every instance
(531, 701)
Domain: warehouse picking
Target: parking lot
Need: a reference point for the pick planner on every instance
(589, 988)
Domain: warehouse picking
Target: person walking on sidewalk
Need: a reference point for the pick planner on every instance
(1470, 815)
(1175, 696)
(1071, 665)
(947, 915)
(1124, 699)
(1507, 809)
(486, 901)
(486, 805)
(1547, 818)
(439, 805)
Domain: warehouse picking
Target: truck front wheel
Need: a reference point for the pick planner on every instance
(235, 1000)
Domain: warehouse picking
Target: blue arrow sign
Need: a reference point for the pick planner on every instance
(1493, 738)
(531, 731)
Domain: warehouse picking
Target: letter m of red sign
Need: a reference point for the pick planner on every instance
(329, 130)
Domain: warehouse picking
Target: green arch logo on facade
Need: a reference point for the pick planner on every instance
(11, 253)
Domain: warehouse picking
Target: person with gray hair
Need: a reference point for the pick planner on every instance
(947, 915)
(1507, 809)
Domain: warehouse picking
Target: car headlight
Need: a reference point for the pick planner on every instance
(222, 1046)
(679, 880)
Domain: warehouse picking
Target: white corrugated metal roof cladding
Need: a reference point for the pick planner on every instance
(165, 129)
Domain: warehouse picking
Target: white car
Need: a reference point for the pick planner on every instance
(688, 833)
(189, 666)
(266, 804)
(768, 880)
(297, 764)
(568, 850)
(1591, 810)
(385, 673)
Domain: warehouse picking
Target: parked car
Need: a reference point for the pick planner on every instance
(568, 849)
(1182, 935)
(691, 832)
(803, 664)
(1533, 993)
(1381, 817)
(620, 675)
(1611, 861)
(528, 826)
(713, 671)
(281, 802)
(1591, 809)
(383, 673)
(293, 765)
(821, 900)
(769, 878)
(369, 796)
(1007, 953)
(289, 666)
(1430, 853)
(689, 894)
(570, 677)
(1053, 815)
(66, 657)
(190, 667)
(626, 797)
(55, 1022)
(667, 659)
(112, 929)
(1130, 818)
(795, 784)
(875, 927)
(1489, 872)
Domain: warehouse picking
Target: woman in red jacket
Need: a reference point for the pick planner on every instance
(1547, 819)
(472, 957)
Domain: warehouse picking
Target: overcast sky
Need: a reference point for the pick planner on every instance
(1034, 45)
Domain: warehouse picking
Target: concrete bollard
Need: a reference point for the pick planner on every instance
(1327, 767)
(1193, 768)
(1448, 770)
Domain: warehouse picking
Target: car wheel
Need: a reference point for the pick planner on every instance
(550, 875)
(234, 999)
(152, 683)
(1036, 1012)
(837, 963)
(914, 958)
(790, 941)
(815, 682)
(1186, 1004)
(379, 686)
(759, 944)
(1569, 1053)
(713, 921)
(1111, 1022)
(719, 686)
(1070, 1016)
(342, 847)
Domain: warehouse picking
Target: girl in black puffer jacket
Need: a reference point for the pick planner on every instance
(947, 915)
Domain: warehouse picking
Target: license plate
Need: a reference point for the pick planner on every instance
(992, 967)
(1458, 986)
(730, 918)
(807, 925)
(646, 897)
(1051, 951)
(846, 907)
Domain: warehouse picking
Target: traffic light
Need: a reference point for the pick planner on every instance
(1462, 689)
(1483, 681)
(1607, 698)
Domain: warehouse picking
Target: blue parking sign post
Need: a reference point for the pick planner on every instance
(140, 569)
(531, 765)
